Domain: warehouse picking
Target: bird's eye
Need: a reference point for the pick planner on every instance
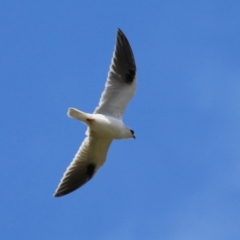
(132, 131)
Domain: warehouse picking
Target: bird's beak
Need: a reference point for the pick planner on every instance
(134, 137)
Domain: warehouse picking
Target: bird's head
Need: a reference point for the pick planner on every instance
(132, 132)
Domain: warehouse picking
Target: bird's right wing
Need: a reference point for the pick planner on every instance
(121, 83)
(90, 156)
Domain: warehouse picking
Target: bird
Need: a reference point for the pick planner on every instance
(106, 123)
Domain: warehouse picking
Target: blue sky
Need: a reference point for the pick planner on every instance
(180, 178)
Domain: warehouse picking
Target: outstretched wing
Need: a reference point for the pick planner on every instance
(121, 83)
(90, 156)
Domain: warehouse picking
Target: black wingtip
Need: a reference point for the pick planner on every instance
(75, 180)
(125, 57)
(58, 194)
(119, 31)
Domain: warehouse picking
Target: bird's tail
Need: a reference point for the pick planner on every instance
(75, 113)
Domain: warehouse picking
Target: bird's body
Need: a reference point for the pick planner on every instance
(105, 124)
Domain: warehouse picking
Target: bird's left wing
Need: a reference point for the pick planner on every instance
(90, 156)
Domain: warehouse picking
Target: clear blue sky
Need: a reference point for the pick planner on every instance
(180, 178)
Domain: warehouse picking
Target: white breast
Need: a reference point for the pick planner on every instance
(109, 127)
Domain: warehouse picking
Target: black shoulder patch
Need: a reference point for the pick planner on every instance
(90, 170)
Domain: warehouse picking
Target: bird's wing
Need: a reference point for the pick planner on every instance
(90, 156)
(121, 83)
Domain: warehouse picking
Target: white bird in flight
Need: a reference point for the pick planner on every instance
(105, 124)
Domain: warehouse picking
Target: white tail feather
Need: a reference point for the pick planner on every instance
(75, 113)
